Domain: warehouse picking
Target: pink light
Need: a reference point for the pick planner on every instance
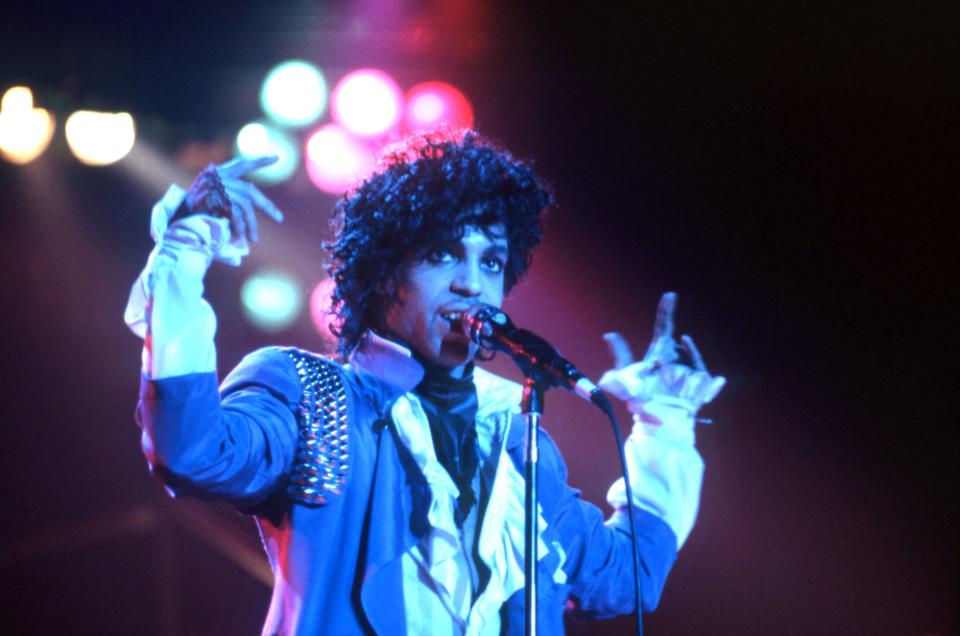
(320, 300)
(433, 105)
(335, 160)
(367, 102)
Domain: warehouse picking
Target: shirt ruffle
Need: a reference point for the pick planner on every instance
(501, 537)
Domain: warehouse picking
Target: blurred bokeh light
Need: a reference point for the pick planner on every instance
(271, 300)
(25, 131)
(433, 105)
(260, 138)
(320, 316)
(100, 139)
(367, 102)
(294, 93)
(335, 160)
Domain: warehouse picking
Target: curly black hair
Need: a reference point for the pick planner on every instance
(425, 192)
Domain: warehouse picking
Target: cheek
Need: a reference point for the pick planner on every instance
(413, 315)
(495, 293)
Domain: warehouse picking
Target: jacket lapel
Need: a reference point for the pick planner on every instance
(391, 526)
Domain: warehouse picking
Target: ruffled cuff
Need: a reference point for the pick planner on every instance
(674, 384)
(666, 470)
(166, 306)
(212, 234)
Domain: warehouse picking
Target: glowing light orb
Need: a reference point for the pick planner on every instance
(335, 160)
(320, 302)
(271, 300)
(294, 93)
(99, 139)
(257, 139)
(367, 102)
(433, 105)
(25, 131)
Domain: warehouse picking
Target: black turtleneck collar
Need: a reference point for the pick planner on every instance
(451, 408)
(440, 387)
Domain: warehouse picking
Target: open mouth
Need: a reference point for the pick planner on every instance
(455, 318)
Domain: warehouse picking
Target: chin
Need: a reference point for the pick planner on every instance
(454, 353)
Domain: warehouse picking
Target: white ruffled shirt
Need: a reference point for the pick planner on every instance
(167, 309)
(438, 565)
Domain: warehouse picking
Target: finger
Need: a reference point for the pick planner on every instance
(619, 349)
(244, 208)
(237, 225)
(262, 203)
(662, 351)
(688, 345)
(663, 327)
(240, 166)
(250, 219)
(250, 193)
(714, 388)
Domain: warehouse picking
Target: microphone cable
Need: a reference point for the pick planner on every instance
(601, 401)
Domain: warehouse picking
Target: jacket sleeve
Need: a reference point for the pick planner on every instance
(236, 445)
(598, 556)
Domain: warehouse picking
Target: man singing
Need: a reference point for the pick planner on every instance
(387, 483)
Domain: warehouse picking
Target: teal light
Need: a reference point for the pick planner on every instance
(294, 93)
(271, 300)
(261, 138)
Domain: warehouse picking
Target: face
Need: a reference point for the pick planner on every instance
(434, 291)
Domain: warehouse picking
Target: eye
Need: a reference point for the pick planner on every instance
(494, 264)
(439, 255)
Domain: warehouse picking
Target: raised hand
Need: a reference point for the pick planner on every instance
(221, 191)
(668, 369)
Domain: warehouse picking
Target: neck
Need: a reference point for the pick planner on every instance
(457, 373)
(443, 375)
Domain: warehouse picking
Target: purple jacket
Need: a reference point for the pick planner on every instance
(337, 565)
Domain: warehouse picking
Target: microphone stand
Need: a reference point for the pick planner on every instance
(531, 407)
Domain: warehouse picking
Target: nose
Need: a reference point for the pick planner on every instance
(467, 281)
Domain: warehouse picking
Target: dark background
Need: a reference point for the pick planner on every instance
(785, 168)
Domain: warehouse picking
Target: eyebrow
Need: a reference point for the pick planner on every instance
(497, 248)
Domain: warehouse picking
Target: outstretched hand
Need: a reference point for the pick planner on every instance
(669, 368)
(663, 348)
(223, 192)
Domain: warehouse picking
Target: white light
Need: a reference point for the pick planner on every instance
(25, 131)
(257, 139)
(99, 139)
(427, 108)
(294, 93)
(271, 300)
(336, 161)
(367, 102)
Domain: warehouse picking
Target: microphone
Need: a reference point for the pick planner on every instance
(492, 329)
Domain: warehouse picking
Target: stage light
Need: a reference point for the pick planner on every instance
(271, 300)
(99, 139)
(367, 102)
(432, 105)
(25, 131)
(335, 160)
(257, 139)
(320, 301)
(294, 93)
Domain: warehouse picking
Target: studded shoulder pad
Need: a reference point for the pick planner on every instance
(323, 447)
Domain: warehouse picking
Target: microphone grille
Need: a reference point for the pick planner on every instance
(481, 321)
